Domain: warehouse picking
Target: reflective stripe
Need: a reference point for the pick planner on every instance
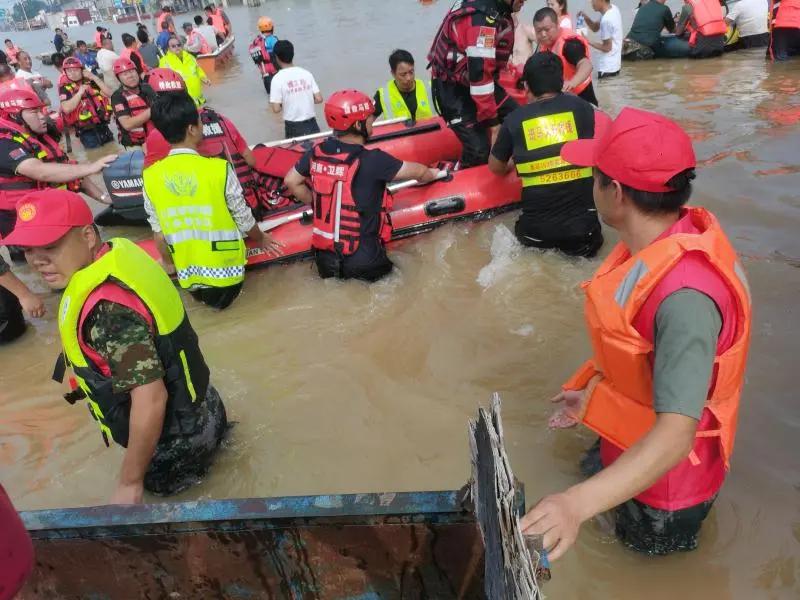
(386, 102)
(556, 177)
(544, 164)
(739, 270)
(188, 375)
(210, 272)
(186, 235)
(338, 215)
(628, 283)
(482, 90)
(476, 52)
(325, 234)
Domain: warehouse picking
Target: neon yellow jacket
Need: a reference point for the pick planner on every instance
(191, 72)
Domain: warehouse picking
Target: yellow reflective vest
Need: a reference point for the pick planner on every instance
(394, 106)
(186, 374)
(191, 72)
(187, 192)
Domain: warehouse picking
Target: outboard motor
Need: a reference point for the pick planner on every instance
(123, 179)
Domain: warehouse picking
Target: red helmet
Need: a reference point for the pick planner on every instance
(14, 101)
(72, 63)
(166, 80)
(346, 108)
(123, 64)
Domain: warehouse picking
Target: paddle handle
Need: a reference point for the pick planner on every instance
(271, 224)
(396, 187)
(322, 134)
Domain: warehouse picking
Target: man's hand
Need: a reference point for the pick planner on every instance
(493, 131)
(558, 518)
(430, 175)
(102, 163)
(128, 493)
(569, 85)
(270, 244)
(573, 406)
(32, 304)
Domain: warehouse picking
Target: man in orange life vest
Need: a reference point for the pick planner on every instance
(131, 103)
(219, 21)
(700, 32)
(571, 48)
(86, 104)
(785, 31)
(165, 18)
(348, 191)
(669, 316)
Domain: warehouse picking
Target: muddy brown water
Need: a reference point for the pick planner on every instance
(343, 387)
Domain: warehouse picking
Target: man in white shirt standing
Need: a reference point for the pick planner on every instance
(295, 91)
(106, 57)
(609, 57)
(750, 18)
(34, 78)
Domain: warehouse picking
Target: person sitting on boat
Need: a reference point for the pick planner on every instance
(404, 96)
(557, 206)
(572, 49)
(12, 51)
(186, 65)
(785, 40)
(473, 46)
(347, 191)
(206, 244)
(131, 51)
(131, 103)
(165, 18)
(261, 51)
(221, 139)
(746, 22)
(128, 341)
(700, 32)
(207, 31)
(87, 57)
(669, 315)
(219, 21)
(86, 105)
(195, 43)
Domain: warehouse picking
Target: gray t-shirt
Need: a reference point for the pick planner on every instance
(687, 330)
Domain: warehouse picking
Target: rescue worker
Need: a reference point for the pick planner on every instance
(700, 32)
(133, 353)
(186, 65)
(15, 297)
(472, 47)
(131, 103)
(785, 40)
(261, 51)
(31, 158)
(557, 206)
(669, 318)
(347, 191)
(219, 21)
(165, 18)
(221, 139)
(572, 49)
(206, 244)
(404, 96)
(16, 548)
(86, 104)
(131, 51)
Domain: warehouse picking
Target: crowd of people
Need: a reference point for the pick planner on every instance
(668, 311)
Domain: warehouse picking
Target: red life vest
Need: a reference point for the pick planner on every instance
(128, 53)
(16, 549)
(788, 16)
(569, 69)
(93, 110)
(40, 146)
(160, 23)
(136, 104)
(706, 20)
(262, 57)
(337, 219)
(448, 54)
(193, 36)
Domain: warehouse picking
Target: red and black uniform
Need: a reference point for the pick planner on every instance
(128, 102)
(351, 205)
(264, 60)
(470, 50)
(16, 549)
(92, 115)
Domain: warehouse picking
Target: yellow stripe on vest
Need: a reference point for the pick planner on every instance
(557, 177)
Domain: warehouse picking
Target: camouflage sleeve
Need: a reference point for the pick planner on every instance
(124, 340)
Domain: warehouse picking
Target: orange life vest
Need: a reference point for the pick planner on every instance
(218, 22)
(788, 16)
(706, 20)
(193, 36)
(569, 69)
(160, 23)
(620, 402)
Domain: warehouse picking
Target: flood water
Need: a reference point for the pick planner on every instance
(343, 387)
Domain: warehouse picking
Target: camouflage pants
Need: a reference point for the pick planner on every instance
(181, 462)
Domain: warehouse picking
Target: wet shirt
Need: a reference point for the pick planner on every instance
(410, 98)
(648, 23)
(553, 202)
(125, 341)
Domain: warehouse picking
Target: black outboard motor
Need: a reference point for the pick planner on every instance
(123, 179)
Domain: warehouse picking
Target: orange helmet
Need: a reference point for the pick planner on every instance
(265, 24)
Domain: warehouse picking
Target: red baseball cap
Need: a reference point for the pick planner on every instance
(45, 216)
(641, 149)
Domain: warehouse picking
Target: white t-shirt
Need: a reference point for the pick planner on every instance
(750, 16)
(611, 29)
(28, 74)
(294, 88)
(207, 31)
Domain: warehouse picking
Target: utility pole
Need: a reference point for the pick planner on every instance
(24, 14)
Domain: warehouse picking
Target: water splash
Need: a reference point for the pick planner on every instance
(504, 250)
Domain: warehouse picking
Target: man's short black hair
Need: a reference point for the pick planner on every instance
(100, 29)
(544, 73)
(656, 203)
(284, 50)
(165, 26)
(80, 43)
(198, 20)
(142, 36)
(543, 13)
(400, 56)
(8, 40)
(172, 114)
(208, 8)
(128, 40)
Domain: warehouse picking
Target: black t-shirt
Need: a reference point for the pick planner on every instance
(551, 202)
(410, 98)
(574, 52)
(120, 103)
(11, 155)
(376, 169)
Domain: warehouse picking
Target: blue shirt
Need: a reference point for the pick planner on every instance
(88, 60)
(270, 41)
(162, 41)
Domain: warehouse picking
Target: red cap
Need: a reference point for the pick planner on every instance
(640, 149)
(45, 216)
